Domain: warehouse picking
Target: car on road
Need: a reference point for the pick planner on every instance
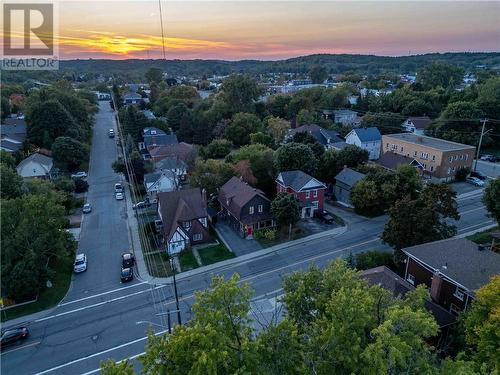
(475, 181)
(479, 175)
(87, 208)
(80, 263)
(77, 175)
(140, 205)
(119, 196)
(111, 133)
(324, 216)
(13, 335)
(118, 188)
(127, 274)
(128, 260)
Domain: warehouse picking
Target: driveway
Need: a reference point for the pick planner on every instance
(237, 245)
(489, 169)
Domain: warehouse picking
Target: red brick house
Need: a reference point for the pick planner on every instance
(309, 191)
(453, 269)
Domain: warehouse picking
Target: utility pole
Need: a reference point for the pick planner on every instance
(176, 295)
(480, 141)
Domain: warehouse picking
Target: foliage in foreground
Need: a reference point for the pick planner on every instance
(335, 324)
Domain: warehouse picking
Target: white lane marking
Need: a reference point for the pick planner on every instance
(98, 304)
(97, 354)
(476, 225)
(472, 210)
(120, 361)
(22, 347)
(101, 294)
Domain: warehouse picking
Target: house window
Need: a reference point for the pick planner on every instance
(424, 165)
(451, 158)
(197, 237)
(456, 157)
(449, 170)
(466, 156)
(415, 153)
(387, 145)
(251, 210)
(424, 155)
(315, 204)
(261, 208)
(432, 168)
(411, 279)
(315, 194)
(401, 147)
(454, 309)
(308, 194)
(186, 224)
(459, 293)
(433, 157)
(461, 157)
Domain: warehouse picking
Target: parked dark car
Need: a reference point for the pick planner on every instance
(127, 275)
(13, 335)
(127, 260)
(140, 205)
(324, 216)
(479, 175)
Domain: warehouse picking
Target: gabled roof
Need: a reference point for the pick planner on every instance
(299, 181)
(170, 163)
(157, 137)
(152, 178)
(182, 150)
(349, 177)
(321, 135)
(45, 161)
(179, 206)
(385, 278)
(392, 161)
(458, 259)
(235, 193)
(420, 122)
(132, 95)
(367, 134)
(11, 126)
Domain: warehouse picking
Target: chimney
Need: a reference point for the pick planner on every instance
(436, 284)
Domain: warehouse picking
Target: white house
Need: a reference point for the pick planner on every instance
(416, 125)
(35, 165)
(159, 182)
(368, 139)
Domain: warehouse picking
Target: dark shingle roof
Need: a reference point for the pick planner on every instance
(171, 162)
(182, 150)
(321, 135)
(297, 180)
(385, 278)
(458, 259)
(157, 137)
(391, 160)
(180, 205)
(349, 177)
(368, 134)
(420, 122)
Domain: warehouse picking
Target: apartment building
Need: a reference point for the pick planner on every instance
(440, 159)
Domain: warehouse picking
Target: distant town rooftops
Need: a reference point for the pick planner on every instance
(436, 143)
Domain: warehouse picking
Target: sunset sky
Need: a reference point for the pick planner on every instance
(274, 30)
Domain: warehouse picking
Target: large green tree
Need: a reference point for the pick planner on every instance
(295, 156)
(261, 159)
(241, 126)
(491, 198)
(286, 209)
(68, 153)
(439, 74)
(239, 92)
(211, 175)
(318, 74)
(11, 183)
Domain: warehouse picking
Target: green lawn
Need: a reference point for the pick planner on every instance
(187, 260)
(215, 254)
(482, 237)
(158, 264)
(48, 297)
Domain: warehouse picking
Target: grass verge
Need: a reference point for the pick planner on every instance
(158, 265)
(187, 260)
(482, 237)
(215, 254)
(48, 297)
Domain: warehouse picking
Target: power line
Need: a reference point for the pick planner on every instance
(162, 33)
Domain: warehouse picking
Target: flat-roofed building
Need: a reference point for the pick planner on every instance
(439, 158)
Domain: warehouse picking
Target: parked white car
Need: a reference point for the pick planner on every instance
(81, 174)
(119, 196)
(475, 181)
(118, 188)
(80, 263)
(87, 208)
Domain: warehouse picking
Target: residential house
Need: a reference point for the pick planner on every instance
(398, 287)
(344, 182)
(327, 138)
(131, 98)
(416, 125)
(154, 137)
(149, 114)
(35, 165)
(392, 161)
(159, 182)
(345, 116)
(353, 99)
(184, 151)
(439, 158)
(453, 270)
(309, 191)
(246, 208)
(13, 134)
(366, 138)
(102, 95)
(184, 218)
(173, 164)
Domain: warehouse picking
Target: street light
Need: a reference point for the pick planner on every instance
(175, 289)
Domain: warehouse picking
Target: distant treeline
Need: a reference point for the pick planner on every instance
(335, 64)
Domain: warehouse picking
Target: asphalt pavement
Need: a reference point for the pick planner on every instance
(101, 318)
